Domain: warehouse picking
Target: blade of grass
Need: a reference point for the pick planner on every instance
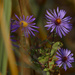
(1, 51)
(4, 64)
(6, 37)
(5, 33)
(7, 11)
(1, 40)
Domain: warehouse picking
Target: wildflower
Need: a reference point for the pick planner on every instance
(27, 25)
(13, 26)
(58, 21)
(64, 58)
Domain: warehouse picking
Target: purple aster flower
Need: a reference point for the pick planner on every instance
(13, 27)
(26, 25)
(64, 58)
(58, 21)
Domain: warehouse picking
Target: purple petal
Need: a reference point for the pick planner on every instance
(32, 29)
(62, 31)
(27, 17)
(14, 30)
(62, 13)
(17, 17)
(69, 65)
(57, 9)
(64, 65)
(23, 17)
(13, 40)
(49, 14)
(32, 33)
(32, 24)
(58, 62)
(59, 32)
(53, 27)
(35, 26)
(32, 20)
(65, 30)
(15, 45)
(58, 54)
(30, 17)
(55, 13)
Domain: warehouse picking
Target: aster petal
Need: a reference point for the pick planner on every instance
(53, 27)
(70, 59)
(13, 40)
(30, 17)
(32, 29)
(48, 25)
(32, 33)
(67, 26)
(59, 32)
(35, 26)
(32, 20)
(12, 36)
(14, 27)
(68, 53)
(27, 17)
(15, 45)
(65, 30)
(67, 18)
(48, 17)
(17, 17)
(49, 22)
(58, 62)
(48, 28)
(62, 13)
(58, 57)
(64, 65)
(69, 65)
(14, 30)
(57, 9)
(32, 24)
(62, 31)
(49, 14)
(23, 17)
(20, 18)
(55, 13)
(58, 54)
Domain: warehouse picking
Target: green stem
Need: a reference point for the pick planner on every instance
(1, 52)
(4, 65)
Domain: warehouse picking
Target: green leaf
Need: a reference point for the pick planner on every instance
(51, 64)
(43, 59)
(55, 47)
(46, 69)
(47, 73)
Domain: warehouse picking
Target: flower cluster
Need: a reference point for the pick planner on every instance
(56, 22)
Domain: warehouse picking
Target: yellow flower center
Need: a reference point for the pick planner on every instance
(25, 24)
(58, 21)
